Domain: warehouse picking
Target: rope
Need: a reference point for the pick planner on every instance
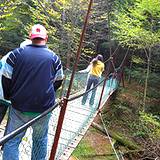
(109, 137)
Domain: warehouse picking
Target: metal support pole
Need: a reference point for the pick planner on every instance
(64, 106)
(106, 76)
(123, 79)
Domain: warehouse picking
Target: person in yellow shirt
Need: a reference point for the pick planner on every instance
(95, 70)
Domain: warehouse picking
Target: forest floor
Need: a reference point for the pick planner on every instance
(94, 146)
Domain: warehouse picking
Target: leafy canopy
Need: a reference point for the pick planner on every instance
(138, 25)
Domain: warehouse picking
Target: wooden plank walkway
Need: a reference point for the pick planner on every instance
(78, 119)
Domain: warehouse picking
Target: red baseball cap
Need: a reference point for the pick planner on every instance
(38, 31)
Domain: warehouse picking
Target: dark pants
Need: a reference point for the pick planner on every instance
(3, 109)
(92, 80)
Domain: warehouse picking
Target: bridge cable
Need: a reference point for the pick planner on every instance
(121, 67)
(123, 61)
(109, 136)
(14, 133)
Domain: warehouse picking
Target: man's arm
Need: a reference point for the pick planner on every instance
(87, 69)
(8, 63)
(59, 74)
(7, 69)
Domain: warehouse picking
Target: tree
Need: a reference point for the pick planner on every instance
(138, 27)
(15, 19)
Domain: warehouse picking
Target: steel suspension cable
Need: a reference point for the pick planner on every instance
(122, 63)
(63, 108)
(109, 27)
(120, 68)
(113, 65)
(112, 54)
(109, 137)
(7, 137)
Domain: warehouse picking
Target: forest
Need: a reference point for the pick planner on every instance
(122, 28)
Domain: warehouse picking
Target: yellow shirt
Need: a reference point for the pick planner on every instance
(97, 69)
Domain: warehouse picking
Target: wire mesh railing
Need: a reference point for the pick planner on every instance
(82, 115)
(76, 119)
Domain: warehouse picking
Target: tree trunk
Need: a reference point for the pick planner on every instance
(130, 70)
(121, 139)
(146, 79)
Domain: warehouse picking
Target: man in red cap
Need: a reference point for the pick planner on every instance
(33, 74)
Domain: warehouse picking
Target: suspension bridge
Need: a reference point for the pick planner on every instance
(69, 120)
(77, 120)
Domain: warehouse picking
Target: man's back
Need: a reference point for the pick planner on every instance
(34, 69)
(30, 76)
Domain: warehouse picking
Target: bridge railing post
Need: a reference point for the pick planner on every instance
(64, 106)
(104, 84)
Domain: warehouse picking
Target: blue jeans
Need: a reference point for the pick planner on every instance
(39, 136)
(92, 80)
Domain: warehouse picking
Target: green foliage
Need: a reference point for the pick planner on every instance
(126, 114)
(153, 93)
(14, 24)
(149, 119)
(146, 126)
(136, 26)
(137, 74)
(153, 109)
(154, 80)
(83, 150)
(137, 60)
(63, 20)
(121, 110)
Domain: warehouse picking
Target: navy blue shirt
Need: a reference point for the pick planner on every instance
(29, 83)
